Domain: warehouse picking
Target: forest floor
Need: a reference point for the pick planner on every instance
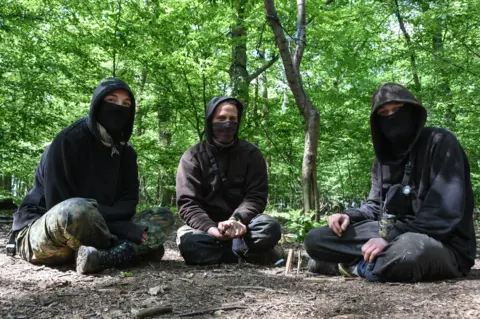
(29, 291)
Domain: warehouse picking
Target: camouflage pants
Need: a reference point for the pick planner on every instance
(53, 238)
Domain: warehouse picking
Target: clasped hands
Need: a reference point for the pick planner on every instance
(339, 223)
(228, 229)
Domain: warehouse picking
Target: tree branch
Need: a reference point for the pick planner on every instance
(291, 74)
(300, 35)
(409, 44)
(262, 69)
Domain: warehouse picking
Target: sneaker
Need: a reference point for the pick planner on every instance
(323, 267)
(357, 269)
(90, 259)
(348, 270)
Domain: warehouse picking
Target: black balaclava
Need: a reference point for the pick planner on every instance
(393, 136)
(113, 118)
(399, 128)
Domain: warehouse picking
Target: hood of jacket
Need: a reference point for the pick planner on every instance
(212, 106)
(393, 93)
(106, 86)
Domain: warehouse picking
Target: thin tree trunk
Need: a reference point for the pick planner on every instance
(302, 100)
(239, 75)
(413, 63)
(141, 112)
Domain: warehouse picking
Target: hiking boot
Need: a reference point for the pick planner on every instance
(91, 260)
(273, 257)
(323, 267)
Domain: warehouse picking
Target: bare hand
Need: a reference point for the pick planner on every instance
(338, 223)
(232, 229)
(372, 248)
(215, 233)
(144, 237)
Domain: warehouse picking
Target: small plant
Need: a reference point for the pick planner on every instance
(125, 274)
(299, 224)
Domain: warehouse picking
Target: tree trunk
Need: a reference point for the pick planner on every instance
(238, 69)
(140, 112)
(239, 75)
(413, 63)
(302, 100)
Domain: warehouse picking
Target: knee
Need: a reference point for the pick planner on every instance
(157, 215)
(314, 237)
(198, 248)
(78, 211)
(188, 239)
(266, 225)
(410, 250)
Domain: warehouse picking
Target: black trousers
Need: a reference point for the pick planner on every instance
(411, 257)
(199, 248)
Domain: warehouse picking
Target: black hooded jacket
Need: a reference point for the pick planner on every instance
(203, 199)
(441, 202)
(78, 164)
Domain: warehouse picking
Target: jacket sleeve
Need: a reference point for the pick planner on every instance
(256, 189)
(60, 172)
(126, 202)
(189, 200)
(371, 209)
(444, 204)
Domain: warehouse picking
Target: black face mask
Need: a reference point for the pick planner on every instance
(113, 118)
(224, 132)
(398, 128)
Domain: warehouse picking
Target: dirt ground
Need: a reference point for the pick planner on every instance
(28, 291)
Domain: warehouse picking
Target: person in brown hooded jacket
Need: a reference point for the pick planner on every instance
(417, 223)
(222, 190)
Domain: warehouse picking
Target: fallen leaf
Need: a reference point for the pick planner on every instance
(155, 290)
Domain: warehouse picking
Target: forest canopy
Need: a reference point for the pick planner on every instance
(178, 54)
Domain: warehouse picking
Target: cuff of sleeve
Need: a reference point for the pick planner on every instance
(244, 218)
(355, 215)
(392, 234)
(205, 225)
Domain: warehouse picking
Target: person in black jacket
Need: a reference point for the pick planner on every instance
(417, 224)
(85, 193)
(222, 190)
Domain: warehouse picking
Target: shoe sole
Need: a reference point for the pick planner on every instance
(85, 258)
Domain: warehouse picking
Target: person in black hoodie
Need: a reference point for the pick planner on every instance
(417, 223)
(85, 193)
(222, 190)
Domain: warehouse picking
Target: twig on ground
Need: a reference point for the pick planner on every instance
(299, 262)
(248, 287)
(158, 310)
(288, 265)
(209, 310)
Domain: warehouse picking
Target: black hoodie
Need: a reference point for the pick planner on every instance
(441, 202)
(78, 164)
(203, 199)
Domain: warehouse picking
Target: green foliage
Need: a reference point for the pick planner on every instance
(125, 274)
(297, 223)
(177, 55)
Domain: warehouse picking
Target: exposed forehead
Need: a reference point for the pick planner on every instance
(388, 105)
(226, 106)
(119, 92)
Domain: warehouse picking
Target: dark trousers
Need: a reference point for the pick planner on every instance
(199, 248)
(411, 257)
